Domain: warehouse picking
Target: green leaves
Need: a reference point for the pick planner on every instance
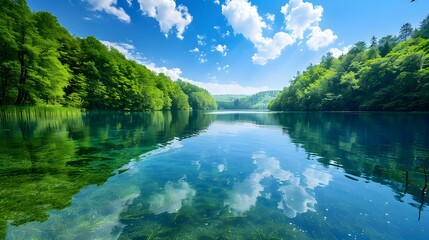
(41, 63)
(389, 76)
(199, 98)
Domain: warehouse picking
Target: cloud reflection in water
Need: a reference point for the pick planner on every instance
(295, 197)
(173, 197)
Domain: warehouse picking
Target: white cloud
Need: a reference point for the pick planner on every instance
(126, 49)
(270, 17)
(216, 27)
(176, 73)
(167, 15)
(226, 34)
(300, 16)
(217, 2)
(203, 58)
(195, 50)
(109, 6)
(130, 2)
(303, 16)
(221, 48)
(200, 40)
(271, 49)
(225, 68)
(173, 73)
(319, 38)
(212, 87)
(338, 52)
(244, 19)
(228, 88)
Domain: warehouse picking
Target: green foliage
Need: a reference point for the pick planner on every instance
(48, 154)
(199, 98)
(391, 75)
(42, 64)
(256, 101)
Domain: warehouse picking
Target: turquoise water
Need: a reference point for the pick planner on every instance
(218, 175)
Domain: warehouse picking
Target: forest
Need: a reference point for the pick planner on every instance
(256, 101)
(392, 74)
(41, 63)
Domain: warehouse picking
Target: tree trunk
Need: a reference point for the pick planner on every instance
(22, 79)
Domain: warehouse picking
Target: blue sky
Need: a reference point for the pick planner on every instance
(233, 46)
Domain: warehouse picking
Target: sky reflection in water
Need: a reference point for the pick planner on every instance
(243, 171)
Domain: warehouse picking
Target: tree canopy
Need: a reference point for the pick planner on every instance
(42, 64)
(256, 101)
(390, 75)
(199, 98)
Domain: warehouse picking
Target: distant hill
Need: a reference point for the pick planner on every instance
(256, 101)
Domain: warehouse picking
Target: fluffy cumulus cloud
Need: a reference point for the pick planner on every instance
(271, 48)
(319, 38)
(270, 17)
(109, 6)
(336, 52)
(303, 16)
(195, 50)
(167, 14)
(300, 16)
(245, 19)
(221, 48)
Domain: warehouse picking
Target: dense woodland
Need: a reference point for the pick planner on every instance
(199, 98)
(42, 64)
(392, 74)
(256, 101)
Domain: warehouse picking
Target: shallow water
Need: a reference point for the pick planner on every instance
(219, 175)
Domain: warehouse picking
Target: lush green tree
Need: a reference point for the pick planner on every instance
(199, 98)
(423, 31)
(386, 76)
(41, 63)
(405, 32)
(386, 44)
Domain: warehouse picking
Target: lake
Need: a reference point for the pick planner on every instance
(67, 174)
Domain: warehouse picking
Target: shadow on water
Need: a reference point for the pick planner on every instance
(47, 155)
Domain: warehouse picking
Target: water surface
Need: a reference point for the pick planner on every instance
(227, 175)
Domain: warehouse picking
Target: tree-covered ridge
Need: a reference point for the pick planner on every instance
(256, 101)
(41, 63)
(199, 98)
(392, 74)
